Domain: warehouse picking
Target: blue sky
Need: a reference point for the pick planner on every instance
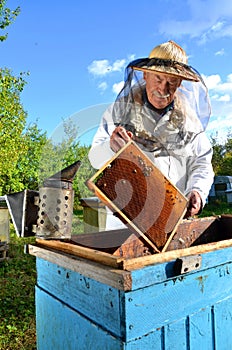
(76, 52)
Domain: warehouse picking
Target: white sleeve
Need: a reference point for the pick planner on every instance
(100, 151)
(199, 167)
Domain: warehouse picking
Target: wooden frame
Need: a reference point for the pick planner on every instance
(140, 195)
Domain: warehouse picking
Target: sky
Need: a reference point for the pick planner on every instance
(76, 51)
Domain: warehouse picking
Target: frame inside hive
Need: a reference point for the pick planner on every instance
(140, 195)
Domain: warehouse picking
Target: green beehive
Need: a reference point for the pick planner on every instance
(4, 230)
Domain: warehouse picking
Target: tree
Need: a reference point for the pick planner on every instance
(27, 155)
(222, 156)
(20, 146)
(58, 155)
(226, 164)
(7, 16)
(28, 162)
(12, 123)
(74, 152)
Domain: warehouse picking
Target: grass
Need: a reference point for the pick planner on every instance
(18, 279)
(217, 207)
(17, 301)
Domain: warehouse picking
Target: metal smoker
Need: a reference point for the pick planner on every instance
(56, 205)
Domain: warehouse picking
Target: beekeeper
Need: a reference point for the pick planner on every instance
(164, 107)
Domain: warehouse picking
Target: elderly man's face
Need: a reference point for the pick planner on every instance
(160, 88)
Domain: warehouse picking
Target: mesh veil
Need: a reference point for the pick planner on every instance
(185, 118)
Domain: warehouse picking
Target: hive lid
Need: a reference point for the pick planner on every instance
(140, 195)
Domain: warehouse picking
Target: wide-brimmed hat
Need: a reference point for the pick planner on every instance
(167, 58)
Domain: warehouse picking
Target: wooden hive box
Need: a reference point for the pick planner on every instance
(87, 298)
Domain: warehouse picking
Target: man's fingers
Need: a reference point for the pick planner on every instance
(119, 138)
(194, 205)
(120, 131)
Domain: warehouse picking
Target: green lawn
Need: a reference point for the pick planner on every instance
(18, 278)
(17, 301)
(216, 208)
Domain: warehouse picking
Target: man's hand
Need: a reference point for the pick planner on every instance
(194, 204)
(120, 136)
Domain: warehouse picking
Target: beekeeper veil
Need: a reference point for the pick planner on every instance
(184, 118)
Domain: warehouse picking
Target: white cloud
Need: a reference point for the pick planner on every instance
(218, 26)
(211, 81)
(117, 87)
(223, 98)
(220, 125)
(215, 84)
(118, 65)
(131, 57)
(224, 87)
(220, 52)
(100, 67)
(216, 31)
(102, 86)
(204, 21)
(103, 67)
(221, 101)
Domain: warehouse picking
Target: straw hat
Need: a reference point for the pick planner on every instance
(167, 58)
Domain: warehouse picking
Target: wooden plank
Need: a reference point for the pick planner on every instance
(175, 335)
(120, 242)
(140, 195)
(158, 273)
(105, 274)
(111, 239)
(126, 280)
(163, 303)
(201, 329)
(191, 332)
(133, 247)
(87, 253)
(58, 327)
(222, 324)
(196, 232)
(173, 232)
(83, 294)
(137, 263)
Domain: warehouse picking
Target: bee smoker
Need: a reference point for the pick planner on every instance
(56, 205)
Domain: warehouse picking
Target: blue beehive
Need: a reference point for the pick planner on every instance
(87, 298)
